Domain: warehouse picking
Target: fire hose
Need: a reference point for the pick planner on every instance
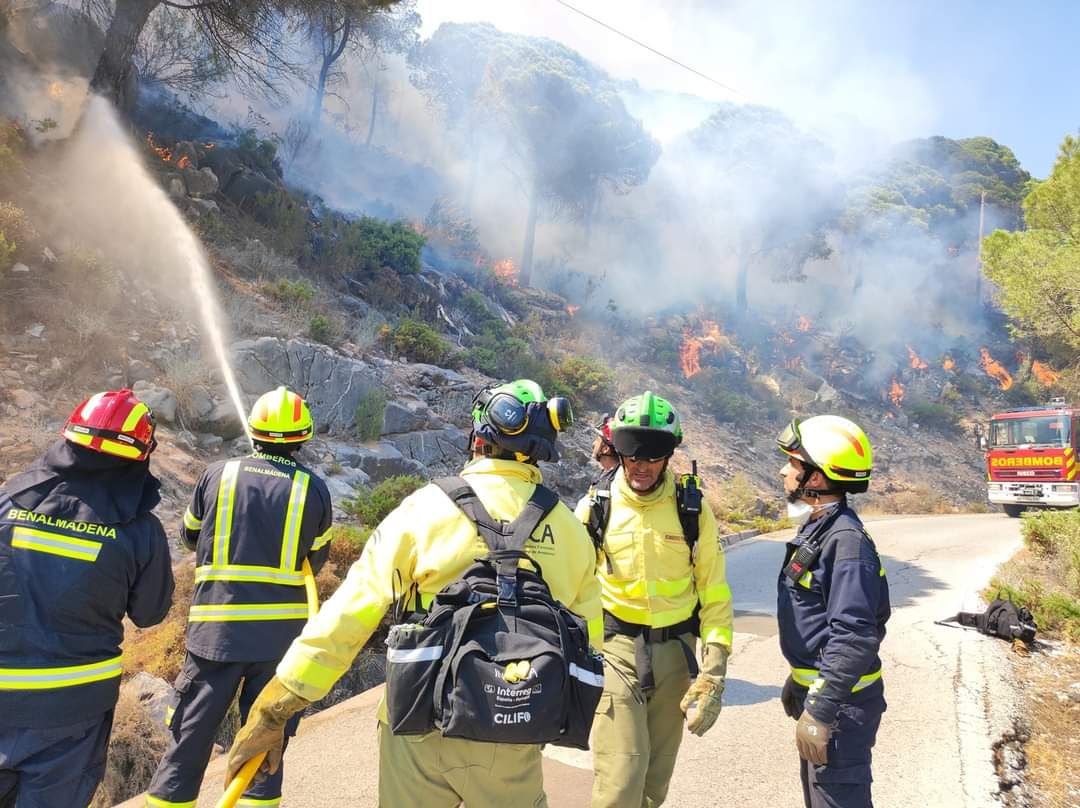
(247, 772)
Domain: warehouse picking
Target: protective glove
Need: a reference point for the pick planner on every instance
(265, 728)
(792, 697)
(812, 739)
(705, 691)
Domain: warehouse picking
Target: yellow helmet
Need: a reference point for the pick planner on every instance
(280, 416)
(833, 444)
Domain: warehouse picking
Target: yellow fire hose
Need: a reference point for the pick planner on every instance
(247, 772)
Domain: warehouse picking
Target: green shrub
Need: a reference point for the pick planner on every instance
(727, 406)
(371, 505)
(416, 341)
(1024, 394)
(588, 380)
(326, 329)
(496, 353)
(297, 294)
(369, 414)
(7, 251)
(368, 244)
(1056, 534)
(932, 415)
(257, 152)
(287, 219)
(737, 500)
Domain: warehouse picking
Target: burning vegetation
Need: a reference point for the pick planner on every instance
(711, 340)
(995, 369)
(896, 393)
(1044, 373)
(916, 362)
(804, 324)
(506, 272)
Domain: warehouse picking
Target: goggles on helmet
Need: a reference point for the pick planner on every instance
(789, 440)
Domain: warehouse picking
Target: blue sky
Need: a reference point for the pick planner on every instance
(863, 74)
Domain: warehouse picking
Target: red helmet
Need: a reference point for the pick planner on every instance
(114, 422)
(605, 430)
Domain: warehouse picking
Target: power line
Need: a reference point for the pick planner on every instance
(648, 47)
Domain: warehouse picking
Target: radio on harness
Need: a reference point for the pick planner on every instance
(496, 658)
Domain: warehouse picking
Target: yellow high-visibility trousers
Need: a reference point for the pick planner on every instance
(430, 771)
(635, 744)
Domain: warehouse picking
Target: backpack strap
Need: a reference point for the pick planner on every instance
(505, 541)
(600, 507)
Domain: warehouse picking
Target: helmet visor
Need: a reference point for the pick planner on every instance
(789, 440)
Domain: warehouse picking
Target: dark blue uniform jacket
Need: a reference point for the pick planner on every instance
(833, 619)
(79, 549)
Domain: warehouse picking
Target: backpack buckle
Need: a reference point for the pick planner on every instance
(507, 590)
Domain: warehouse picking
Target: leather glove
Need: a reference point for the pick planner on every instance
(812, 739)
(265, 728)
(704, 693)
(792, 697)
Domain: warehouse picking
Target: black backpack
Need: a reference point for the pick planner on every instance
(1002, 618)
(496, 658)
(688, 498)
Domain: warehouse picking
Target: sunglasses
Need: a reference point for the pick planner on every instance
(629, 459)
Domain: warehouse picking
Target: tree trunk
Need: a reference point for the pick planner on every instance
(113, 77)
(320, 95)
(525, 276)
(374, 109)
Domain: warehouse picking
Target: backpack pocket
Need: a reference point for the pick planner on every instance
(514, 693)
(414, 654)
(586, 686)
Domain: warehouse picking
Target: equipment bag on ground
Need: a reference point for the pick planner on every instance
(496, 658)
(1002, 618)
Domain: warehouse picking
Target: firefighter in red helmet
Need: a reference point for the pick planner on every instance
(79, 550)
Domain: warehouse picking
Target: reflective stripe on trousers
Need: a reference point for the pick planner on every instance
(68, 676)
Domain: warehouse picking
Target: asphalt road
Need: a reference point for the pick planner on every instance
(949, 693)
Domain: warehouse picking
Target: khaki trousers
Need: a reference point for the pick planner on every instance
(635, 744)
(430, 771)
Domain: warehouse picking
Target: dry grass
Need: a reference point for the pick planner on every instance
(1052, 694)
(919, 499)
(135, 748)
(160, 650)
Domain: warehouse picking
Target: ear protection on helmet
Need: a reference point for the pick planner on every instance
(510, 416)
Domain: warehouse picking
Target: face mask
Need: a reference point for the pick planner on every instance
(799, 511)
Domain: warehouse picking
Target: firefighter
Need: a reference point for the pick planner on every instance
(660, 586)
(603, 450)
(79, 549)
(832, 606)
(427, 543)
(252, 521)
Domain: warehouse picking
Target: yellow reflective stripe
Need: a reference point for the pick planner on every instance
(49, 678)
(157, 802)
(643, 616)
(224, 514)
(717, 635)
(322, 541)
(667, 588)
(249, 801)
(190, 522)
(715, 594)
(169, 713)
(250, 574)
(43, 541)
(811, 677)
(881, 572)
(137, 412)
(806, 579)
(290, 539)
(227, 612)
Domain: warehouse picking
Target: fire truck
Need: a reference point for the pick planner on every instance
(1031, 458)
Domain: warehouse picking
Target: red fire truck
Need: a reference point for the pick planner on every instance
(1031, 458)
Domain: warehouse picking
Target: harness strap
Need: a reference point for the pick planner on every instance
(645, 636)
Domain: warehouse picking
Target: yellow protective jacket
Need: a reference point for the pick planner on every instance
(645, 571)
(429, 542)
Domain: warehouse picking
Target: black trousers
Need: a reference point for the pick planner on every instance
(204, 692)
(844, 781)
(47, 768)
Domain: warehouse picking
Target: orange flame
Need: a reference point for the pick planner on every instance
(916, 361)
(1044, 373)
(163, 152)
(571, 309)
(896, 393)
(505, 272)
(995, 370)
(804, 324)
(184, 162)
(690, 355)
(948, 363)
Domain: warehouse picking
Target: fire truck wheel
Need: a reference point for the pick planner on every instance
(1013, 511)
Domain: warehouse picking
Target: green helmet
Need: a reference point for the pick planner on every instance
(524, 391)
(646, 426)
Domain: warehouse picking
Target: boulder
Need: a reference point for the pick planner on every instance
(139, 371)
(200, 183)
(154, 694)
(199, 405)
(185, 156)
(223, 421)
(435, 376)
(211, 443)
(383, 460)
(405, 416)
(176, 188)
(203, 206)
(224, 164)
(159, 399)
(246, 186)
(333, 385)
(439, 451)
